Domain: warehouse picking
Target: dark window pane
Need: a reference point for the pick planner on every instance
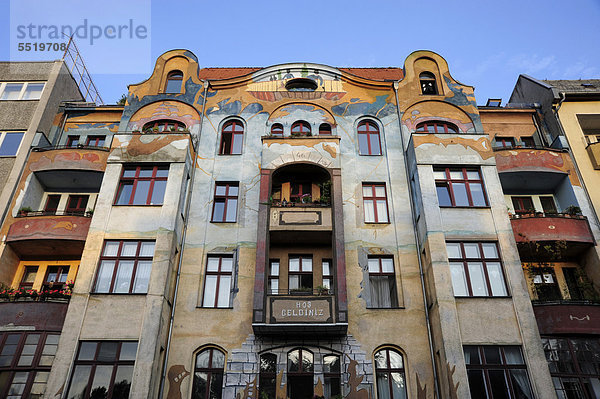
(472, 355)
(498, 384)
(122, 382)
(87, 351)
(294, 361)
(199, 386)
(476, 384)
(215, 386)
(101, 382)
(492, 355)
(520, 384)
(268, 363)
(108, 351)
(79, 382)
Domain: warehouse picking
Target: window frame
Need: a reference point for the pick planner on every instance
(267, 379)
(504, 366)
(273, 277)
(439, 127)
(235, 133)
(24, 87)
(301, 272)
(329, 276)
(368, 123)
(95, 362)
(163, 124)
(325, 129)
(448, 182)
(97, 139)
(276, 130)
(219, 274)
(391, 277)
(3, 135)
(210, 370)
(329, 376)
(31, 369)
(63, 270)
(225, 200)
(136, 179)
(172, 78)
(388, 370)
(77, 210)
(484, 261)
(374, 198)
(118, 258)
(49, 210)
(73, 141)
(428, 78)
(505, 142)
(301, 129)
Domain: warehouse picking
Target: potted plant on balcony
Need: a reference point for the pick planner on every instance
(24, 210)
(89, 212)
(572, 210)
(321, 290)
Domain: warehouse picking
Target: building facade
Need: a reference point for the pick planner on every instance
(294, 231)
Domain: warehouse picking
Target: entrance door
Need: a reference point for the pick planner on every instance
(300, 374)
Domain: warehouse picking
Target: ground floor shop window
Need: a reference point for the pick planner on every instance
(574, 366)
(300, 368)
(268, 375)
(208, 374)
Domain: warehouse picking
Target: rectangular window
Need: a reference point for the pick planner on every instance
(95, 141)
(225, 203)
(523, 205)
(56, 277)
(142, 185)
(10, 143)
(528, 142)
(11, 91)
(327, 274)
(548, 204)
(504, 142)
(273, 277)
(72, 141)
(77, 204)
(382, 282)
(546, 286)
(103, 369)
(476, 269)
(497, 371)
(375, 203)
(124, 267)
(25, 362)
(572, 279)
(457, 187)
(28, 278)
(52, 204)
(300, 273)
(218, 281)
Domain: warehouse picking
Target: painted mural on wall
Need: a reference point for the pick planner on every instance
(164, 110)
(177, 373)
(521, 159)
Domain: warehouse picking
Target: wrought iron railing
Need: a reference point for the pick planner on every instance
(87, 214)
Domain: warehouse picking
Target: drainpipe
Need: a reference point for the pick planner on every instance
(418, 245)
(577, 171)
(163, 375)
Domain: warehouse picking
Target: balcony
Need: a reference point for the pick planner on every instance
(567, 317)
(300, 313)
(56, 235)
(46, 315)
(540, 227)
(593, 150)
(301, 217)
(518, 159)
(64, 168)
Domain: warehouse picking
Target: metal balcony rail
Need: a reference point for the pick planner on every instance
(536, 214)
(87, 214)
(526, 147)
(70, 147)
(302, 291)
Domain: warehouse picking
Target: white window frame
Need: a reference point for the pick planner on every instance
(3, 136)
(22, 92)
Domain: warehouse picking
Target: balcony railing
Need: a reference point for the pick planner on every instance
(87, 214)
(302, 291)
(535, 214)
(70, 147)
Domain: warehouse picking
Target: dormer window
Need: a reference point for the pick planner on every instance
(300, 128)
(277, 130)
(174, 80)
(163, 126)
(301, 84)
(428, 85)
(325, 129)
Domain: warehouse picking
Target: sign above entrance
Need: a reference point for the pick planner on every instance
(301, 310)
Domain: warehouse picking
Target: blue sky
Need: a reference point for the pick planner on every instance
(487, 44)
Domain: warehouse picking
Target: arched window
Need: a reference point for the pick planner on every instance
(368, 138)
(436, 127)
(164, 125)
(232, 137)
(300, 373)
(300, 128)
(268, 375)
(277, 130)
(331, 372)
(428, 85)
(325, 129)
(208, 374)
(174, 80)
(389, 373)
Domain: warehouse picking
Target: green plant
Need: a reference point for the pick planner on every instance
(321, 290)
(325, 188)
(24, 210)
(89, 212)
(122, 100)
(573, 210)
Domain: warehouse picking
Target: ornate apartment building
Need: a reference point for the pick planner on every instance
(298, 231)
